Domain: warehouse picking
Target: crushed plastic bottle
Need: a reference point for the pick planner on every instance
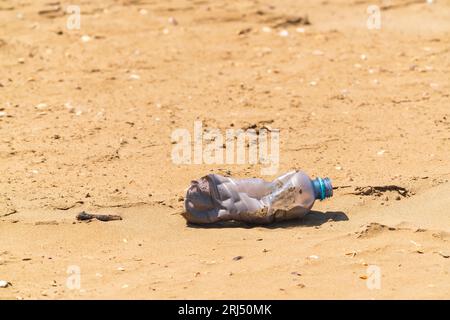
(217, 198)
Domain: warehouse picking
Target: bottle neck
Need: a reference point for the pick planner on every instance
(322, 188)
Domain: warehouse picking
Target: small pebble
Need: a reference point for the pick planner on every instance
(173, 21)
(41, 106)
(283, 33)
(85, 38)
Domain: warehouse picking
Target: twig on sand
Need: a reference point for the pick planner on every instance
(84, 216)
(400, 5)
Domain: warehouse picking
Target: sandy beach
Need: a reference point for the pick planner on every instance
(86, 121)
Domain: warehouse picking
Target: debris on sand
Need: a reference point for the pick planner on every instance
(52, 12)
(172, 21)
(84, 216)
(8, 212)
(372, 229)
(293, 21)
(4, 284)
(379, 190)
(402, 5)
(244, 31)
(6, 206)
(46, 223)
(238, 258)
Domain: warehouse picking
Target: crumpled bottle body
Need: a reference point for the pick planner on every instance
(217, 198)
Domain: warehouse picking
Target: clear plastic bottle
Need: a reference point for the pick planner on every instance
(216, 198)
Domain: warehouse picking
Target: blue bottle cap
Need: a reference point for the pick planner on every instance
(322, 188)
